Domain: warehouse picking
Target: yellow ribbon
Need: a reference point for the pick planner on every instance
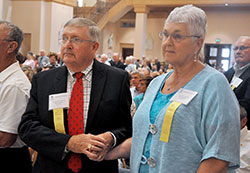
(167, 122)
(59, 120)
(233, 87)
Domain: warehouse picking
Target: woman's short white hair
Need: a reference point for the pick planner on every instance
(193, 16)
(130, 59)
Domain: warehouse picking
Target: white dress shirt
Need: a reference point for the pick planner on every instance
(134, 92)
(14, 95)
(244, 151)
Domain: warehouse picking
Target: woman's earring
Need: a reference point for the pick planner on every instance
(195, 59)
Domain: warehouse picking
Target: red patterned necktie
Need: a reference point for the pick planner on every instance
(75, 119)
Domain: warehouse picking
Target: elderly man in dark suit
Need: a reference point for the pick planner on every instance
(239, 75)
(77, 112)
(116, 62)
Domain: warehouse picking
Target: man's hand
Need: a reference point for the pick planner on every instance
(7, 139)
(87, 144)
(108, 144)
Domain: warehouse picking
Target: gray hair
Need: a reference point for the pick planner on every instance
(243, 37)
(243, 112)
(94, 31)
(193, 16)
(104, 55)
(129, 58)
(15, 33)
(141, 74)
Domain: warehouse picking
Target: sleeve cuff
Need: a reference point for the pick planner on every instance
(114, 144)
(65, 152)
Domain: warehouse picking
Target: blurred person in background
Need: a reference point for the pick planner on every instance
(43, 60)
(53, 60)
(30, 60)
(144, 82)
(239, 75)
(244, 143)
(116, 62)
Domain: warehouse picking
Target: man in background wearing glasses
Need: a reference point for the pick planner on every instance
(77, 112)
(14, 95)
(239, 75)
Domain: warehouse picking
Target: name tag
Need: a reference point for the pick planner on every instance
(235, 82)
(58, 101)
(184, 96)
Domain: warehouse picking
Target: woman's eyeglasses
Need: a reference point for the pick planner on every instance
(176, 37)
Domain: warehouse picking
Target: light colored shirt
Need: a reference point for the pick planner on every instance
(131, 68)
(87, 81)
(207, 127)
(43, 61)
(30, 63)
(134, 92)
(240, 71)
(14, 95)
(244, 151)
(107, 62)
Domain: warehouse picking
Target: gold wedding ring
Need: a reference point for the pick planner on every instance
(89, 146)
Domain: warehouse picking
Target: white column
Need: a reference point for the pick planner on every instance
(43, 25)
(140, 30)
(5, 10)
(1, 10)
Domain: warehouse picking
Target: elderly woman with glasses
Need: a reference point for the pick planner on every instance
(188, 120)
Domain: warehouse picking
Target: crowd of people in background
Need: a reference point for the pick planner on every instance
(32, 63)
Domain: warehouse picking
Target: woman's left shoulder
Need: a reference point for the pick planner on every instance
(214, 75)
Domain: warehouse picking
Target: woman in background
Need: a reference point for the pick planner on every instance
(30, 60)
(144, 82)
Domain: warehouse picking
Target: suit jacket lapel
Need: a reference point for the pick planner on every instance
(98, 81)
(230, 74)
(246, 74)
(60, 84)
(61, 80)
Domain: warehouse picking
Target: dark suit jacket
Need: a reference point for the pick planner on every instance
(118, 65)
(109, 110)
(242, 92)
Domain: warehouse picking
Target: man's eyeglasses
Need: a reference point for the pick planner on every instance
(176, 37)
(74, 40)
(235, 48)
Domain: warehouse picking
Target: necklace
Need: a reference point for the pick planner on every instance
(183, 80)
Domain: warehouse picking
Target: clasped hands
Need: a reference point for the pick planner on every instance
(95, 147)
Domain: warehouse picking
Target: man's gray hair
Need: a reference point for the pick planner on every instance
(193, 16)
(15, 33)
(243, 37)
(94, 31)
